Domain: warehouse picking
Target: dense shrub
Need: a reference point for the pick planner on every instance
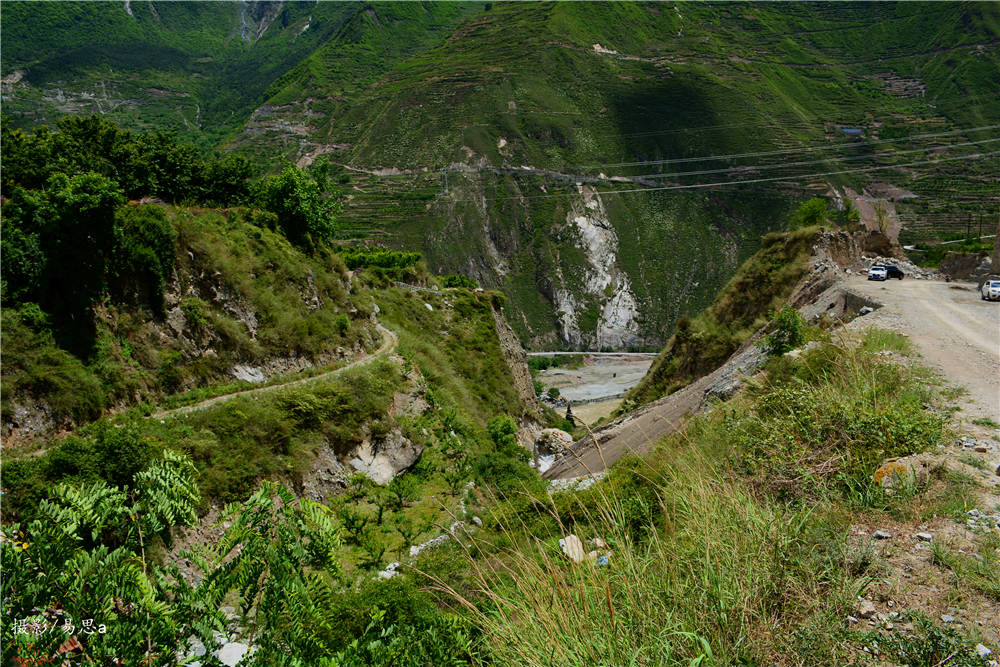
(304, 216)
(787, 331)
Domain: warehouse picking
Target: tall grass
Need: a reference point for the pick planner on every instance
(728, 545)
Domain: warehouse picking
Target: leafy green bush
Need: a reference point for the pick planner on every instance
(813, 212)
(505, 468)
(814, 429)
(144, 253)
(35, 367)
(787, 331)
(304, 216)
(458, 280)
(393, 622)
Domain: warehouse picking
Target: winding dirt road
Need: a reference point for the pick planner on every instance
(956, 333)
(389, 341)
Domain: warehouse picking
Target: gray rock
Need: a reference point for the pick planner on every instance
(390, 571)
(382, 461)
(231, 653)
(852, 620)
(924, 537)
(881, 535)
(866, 609)
(865, 310)
(573, 548)
(948, 618)
(982, 651)
(552, 441)
(247, 373)
(476, 520)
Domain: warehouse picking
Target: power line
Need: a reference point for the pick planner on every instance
(805, 149)
(972, 156)
(786, 165)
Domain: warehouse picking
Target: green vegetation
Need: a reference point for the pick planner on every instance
(453, 344)
(813, 213)
(383, 85)
(195, 69)
(541, 363)
(92, 285)
(251, 297)
(701, 344)
(303, 215)
(787, 331)
(930, 255)
(730, 544)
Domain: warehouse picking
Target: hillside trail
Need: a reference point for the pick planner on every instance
(389, 342)
(956, 334)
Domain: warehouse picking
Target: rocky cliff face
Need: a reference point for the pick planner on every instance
(517, 360)
(600, 285)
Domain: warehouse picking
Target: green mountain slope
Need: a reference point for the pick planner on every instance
(493, 136)
(475, 150)
(194, 68)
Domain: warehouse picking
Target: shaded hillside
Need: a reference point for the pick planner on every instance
(192, 67)
(467, 130)
(475, 149)
(702, 344)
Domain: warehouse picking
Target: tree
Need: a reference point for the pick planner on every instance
(813, 212)
(304, 216)
(76, 223)
(278, 558)
(787, 331)
(404, 490)
(849, 217)
(881, 216)
(85, 557)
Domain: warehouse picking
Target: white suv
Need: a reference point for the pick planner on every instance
(877, 273)
(990, 291)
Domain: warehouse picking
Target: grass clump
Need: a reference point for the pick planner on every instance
(882, 340)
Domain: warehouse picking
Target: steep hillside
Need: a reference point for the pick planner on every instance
(700, 345)
(241, 305)
(584, 159)
(477, 149)
(191, 67)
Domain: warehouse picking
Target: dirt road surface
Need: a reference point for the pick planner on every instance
(956, 334)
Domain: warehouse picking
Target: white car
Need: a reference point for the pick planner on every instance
(877, 273)
(990, 291)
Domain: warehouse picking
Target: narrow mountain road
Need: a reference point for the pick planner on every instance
(389, 342)
(956, 333)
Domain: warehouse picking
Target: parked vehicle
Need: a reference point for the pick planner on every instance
(990, 291)
(893, 271)
(877, 273)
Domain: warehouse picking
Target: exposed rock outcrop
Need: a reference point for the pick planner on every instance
(965, 265)
(602, 286)
(517, 361)
(381, 461)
